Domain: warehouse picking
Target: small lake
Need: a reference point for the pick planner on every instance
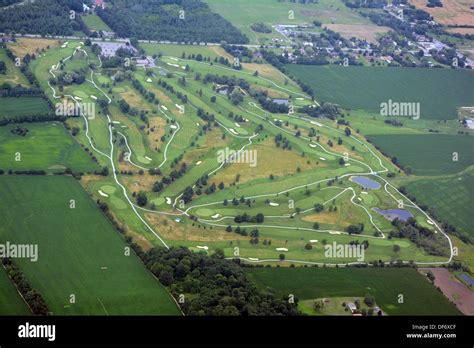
(392, 214)
(366, 182)
(467, 279)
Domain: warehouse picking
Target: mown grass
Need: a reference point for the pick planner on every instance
(439, 91)
(94, 22)
(80, 253)
(386, 285)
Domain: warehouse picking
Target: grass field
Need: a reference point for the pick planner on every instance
(23, 106)
(95, 23)
(272, 12)
(419, 296)
(439, 91)
(11, 302)
(428, 154)
(451, 197)
(46, 146)
(79, 251)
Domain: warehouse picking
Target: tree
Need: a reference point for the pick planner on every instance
(316, 226)
(369, 300)
(308, 246)
(213, 99)
(347, 130)
(318, 208)
(396, 248)
(282, 257)
(142, 199)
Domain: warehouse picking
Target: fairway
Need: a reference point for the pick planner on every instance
(419, 296)
(428, 154)
(47, 146)
(439, 91)
(23, 106)
(95, 23)
(79, 252)
(11, 302)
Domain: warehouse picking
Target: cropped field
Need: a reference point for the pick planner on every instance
(428, 154)
(47, 146)
(11, 302)
(453, 12)
(419, 296)
(439, 91)
(273, 12)
(23, 106)
(452, 198)
(79, 251)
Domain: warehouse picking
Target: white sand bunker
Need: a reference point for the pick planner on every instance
(316, 123)
(116, 122)
(312, 145)
(364, 193)
(347, 164)
(203, 247)
(430, 222)
(93, 97)
(334, 232)
(164, 107)
(313, 240)
(237, 125)
(274, 204)
(148, 158)
(253, 259)
(168, 200)
(322, 158)
(215, 216)
(103, 194)
(232, 130)
(173, 126)
(148, 80)
(281, 249)
(198, 163)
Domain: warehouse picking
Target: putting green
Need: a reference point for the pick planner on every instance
(143, 160)
(103, 79)
(109, 189)
(204, 212)
(158, 201)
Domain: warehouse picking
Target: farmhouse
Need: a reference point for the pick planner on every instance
(352, 307)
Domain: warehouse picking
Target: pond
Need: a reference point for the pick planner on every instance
(467, 279)
(365, 182)
(392, 214)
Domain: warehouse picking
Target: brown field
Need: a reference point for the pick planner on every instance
(368, 32)
(453, 289)
(135, 100)
(172, 230)
(24, 46)
(461, 30)
(266, 165)
(453, 12)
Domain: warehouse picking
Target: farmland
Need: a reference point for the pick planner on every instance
(11, 302)
(46, 146)
(416, 151)
(384, 284)
(12, 107)
(272, 12)
(12, 75)
(366, 88)
(72, 258)
(450, 197)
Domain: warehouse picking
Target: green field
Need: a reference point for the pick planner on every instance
(428, 154)
(439, 91)
(80, 253)
(95, 23)
(419, 296)
(23, 106)
(11, 302)
(47, 146)
(450, 197)
(273, 12)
